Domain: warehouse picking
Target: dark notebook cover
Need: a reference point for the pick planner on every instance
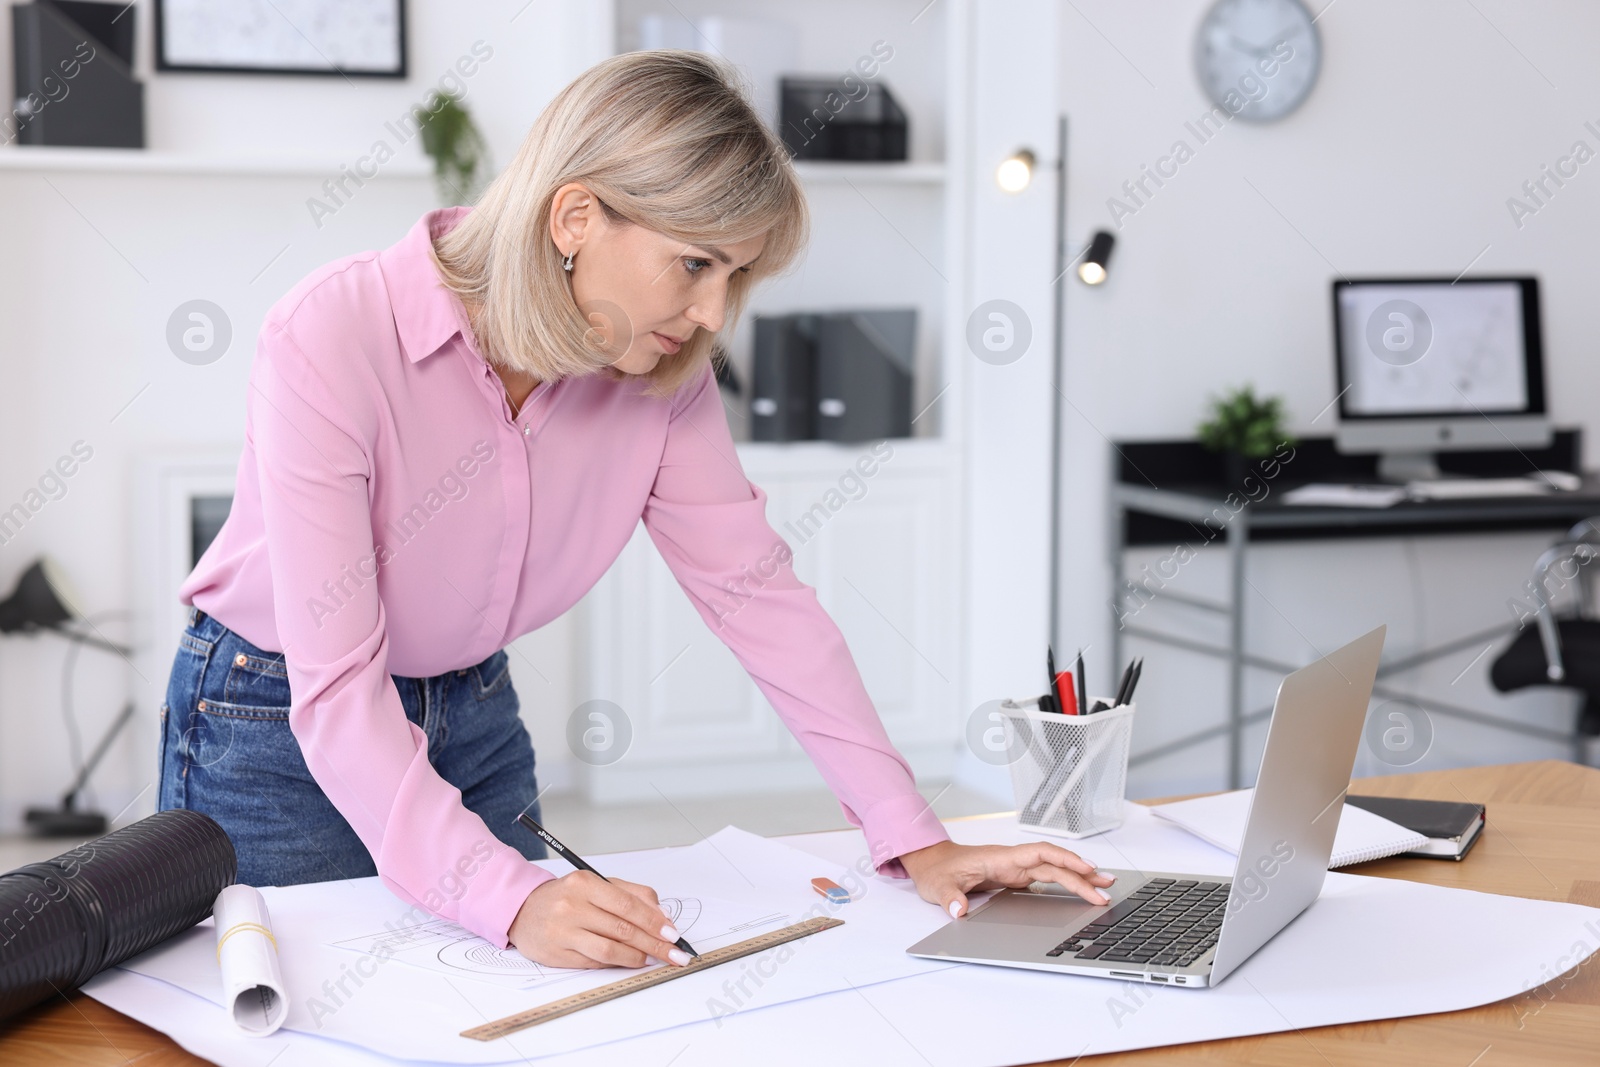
(1444, 820)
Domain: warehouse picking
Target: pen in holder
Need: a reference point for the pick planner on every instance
(1074, 771)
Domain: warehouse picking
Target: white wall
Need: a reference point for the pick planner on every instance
(1426, 118)
(94, 261)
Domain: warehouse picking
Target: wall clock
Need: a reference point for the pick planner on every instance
(1258, 59)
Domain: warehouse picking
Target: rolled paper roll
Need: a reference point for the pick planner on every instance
(252, 981)
(64, 920)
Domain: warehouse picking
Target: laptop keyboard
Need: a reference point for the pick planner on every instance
(1167, 922)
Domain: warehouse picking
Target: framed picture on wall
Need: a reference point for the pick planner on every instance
(349, 38)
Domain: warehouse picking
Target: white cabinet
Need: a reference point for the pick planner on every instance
(879, 551)
(880, 567)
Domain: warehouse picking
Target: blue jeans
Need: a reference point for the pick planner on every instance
(227, 751)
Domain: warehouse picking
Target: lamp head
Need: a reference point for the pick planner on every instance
(35, 604)
(1016, 171)
(1097, 260)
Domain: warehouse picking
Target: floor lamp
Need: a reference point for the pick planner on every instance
(1092, 264)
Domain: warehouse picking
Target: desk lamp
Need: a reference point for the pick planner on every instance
(35, 606)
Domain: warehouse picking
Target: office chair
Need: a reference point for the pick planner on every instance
(1563, 649)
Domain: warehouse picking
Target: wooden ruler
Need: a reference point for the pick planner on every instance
(645, 979)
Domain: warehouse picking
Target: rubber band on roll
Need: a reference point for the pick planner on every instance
(252, 980)
(237, 928)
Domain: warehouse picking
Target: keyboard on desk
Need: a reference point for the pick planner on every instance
(1474, 488)
(1165, 922)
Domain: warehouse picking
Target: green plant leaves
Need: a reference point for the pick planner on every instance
(459, 152)
(1244, 423)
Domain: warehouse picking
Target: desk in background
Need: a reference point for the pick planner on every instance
(1541, 841)
(1163, 493)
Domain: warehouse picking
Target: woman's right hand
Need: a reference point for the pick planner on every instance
(582, 920)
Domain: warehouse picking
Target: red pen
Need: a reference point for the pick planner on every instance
(1066, 695)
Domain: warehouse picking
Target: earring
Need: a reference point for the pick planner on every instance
(566, 264)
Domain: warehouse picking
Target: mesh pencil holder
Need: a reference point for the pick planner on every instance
(1071, 771)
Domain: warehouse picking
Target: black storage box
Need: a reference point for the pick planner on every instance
(73, 75)
(830, 118)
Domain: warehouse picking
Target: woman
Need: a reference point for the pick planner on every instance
(447, 443)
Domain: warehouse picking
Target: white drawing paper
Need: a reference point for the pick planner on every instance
(445, 948)
(1409, 960)
(417, 1010)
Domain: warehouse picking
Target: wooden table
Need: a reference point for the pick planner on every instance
(1542, 841)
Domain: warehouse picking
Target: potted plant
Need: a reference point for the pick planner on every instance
(459, 152)
(1243, 427)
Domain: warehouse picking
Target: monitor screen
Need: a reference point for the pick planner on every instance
(1430, 348)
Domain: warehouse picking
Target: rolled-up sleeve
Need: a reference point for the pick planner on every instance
(314, 466)
(709, 523)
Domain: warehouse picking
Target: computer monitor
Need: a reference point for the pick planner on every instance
(1432, 364)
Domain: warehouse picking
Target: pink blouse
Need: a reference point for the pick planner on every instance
(414, 528)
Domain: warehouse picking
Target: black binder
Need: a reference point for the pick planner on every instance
(782, 389)
(833, 376)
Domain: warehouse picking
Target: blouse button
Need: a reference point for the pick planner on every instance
(527, 429)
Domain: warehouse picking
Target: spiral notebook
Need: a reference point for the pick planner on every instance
(1219, 820)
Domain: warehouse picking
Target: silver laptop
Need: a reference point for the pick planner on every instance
(1189, 929)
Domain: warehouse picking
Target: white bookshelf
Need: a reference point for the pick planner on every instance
(886, 565)
(821, 172)
(154, 161)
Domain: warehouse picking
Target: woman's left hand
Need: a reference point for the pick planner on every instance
(945, 873)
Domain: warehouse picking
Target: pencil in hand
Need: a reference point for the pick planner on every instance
(582, 864)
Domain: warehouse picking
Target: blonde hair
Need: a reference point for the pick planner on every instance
(666, 140)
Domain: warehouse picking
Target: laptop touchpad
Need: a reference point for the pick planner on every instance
(1034, 909)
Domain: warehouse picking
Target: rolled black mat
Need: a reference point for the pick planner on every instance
(67, 919)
